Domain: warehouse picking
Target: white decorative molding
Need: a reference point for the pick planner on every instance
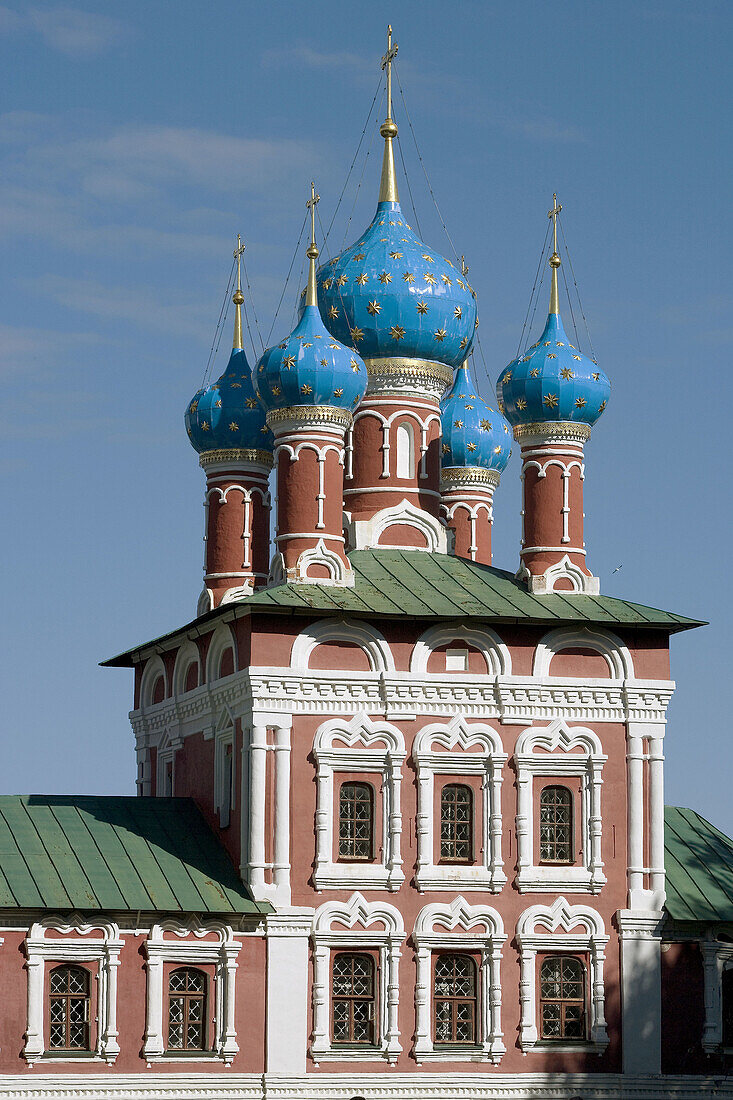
(457, 743)
(365, 534)
(154, 667)
(190, 946)
(205, 602)
(79, 947)
(552, 751)
(367, 745)
(225, 768)
(351, 631)
(356, 919)
(565, 569)
(239, 592)
(188, 654)
(222, 639)
(609, 645)
(254, 796)
(487, 642)
(460, 927)
(561, 928)
(717, 957)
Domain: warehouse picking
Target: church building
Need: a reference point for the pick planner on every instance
(400, 827)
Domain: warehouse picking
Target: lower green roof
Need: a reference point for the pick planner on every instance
(698, 859)
(420, 585)
(85, 852)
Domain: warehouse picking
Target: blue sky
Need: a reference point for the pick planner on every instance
(138, 139)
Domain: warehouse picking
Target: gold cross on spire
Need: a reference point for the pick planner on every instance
(464, 266)
(556, 208)
(555, 257)
(387, 64)
(312, 253)
(238, 297)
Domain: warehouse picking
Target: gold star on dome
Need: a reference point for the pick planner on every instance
(440, 335)
(317, 336)
(264, 429)
(506, 430)
(334, 345)
(507, 377)
(338, 393)
(485, 425)
(408, 277)
(501, 407)
(566, 373)
(358, 256)
(470, 446)
(596, 377)
(342, 280)
(334, 262)
(362, 279)
(457, 423)
(333, 312)
(260, 368)
(572, 346)
(307, 345)
(430, 278)
(576, 357)
(547, 343)
(405, 240)
(475, 324)
(282, 346)
(289, 361)
(277, 390)
(551, 401)
(204, 426)
(194, 405)
(535, 372)
(354, 366)
(217, 404)
(446, 449)
(305, 389)
(373, 307)
(447, 280)
(521, 404)
(422, 307)
(430, 259)
(526, 359)
(251, 402)
(458, 312)
(326, 284)
(468, 406)
(234, 427)
(385, 277)
(461, 284)
(602, 406)
(464, 342)
(383, 240)
(497, 449)
(393, 223)
(551, 355)
(397, 332)
(324, 362)
(396, 255)
(236, 385)
(356, 334)
(580, 402)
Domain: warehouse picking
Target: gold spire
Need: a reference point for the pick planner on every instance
(555, 257)
(312, 253)
(238, 298)
(388, 184)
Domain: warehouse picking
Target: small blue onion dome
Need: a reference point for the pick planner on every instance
(391, 295)
(553, 381)
(474, 434)
(227, 415)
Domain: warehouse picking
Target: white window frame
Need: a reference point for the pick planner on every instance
(405, 450)
(224, 800)
(717, 957)
(457, 738)
(554, 929)
(190, 947)
(372, 747)
(588, 764)
(459, 927)
(355, 918)
(103, 950)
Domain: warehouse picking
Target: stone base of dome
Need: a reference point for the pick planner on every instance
(552, 431)
(425, 377)
(307, 416)
(211, 461)
(464, 477)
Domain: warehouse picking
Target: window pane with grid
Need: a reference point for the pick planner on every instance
(69, 1008)
(456, 821)
(355, 821)
(556, 825)
(562, 998)
(454, 999)
(187, 1009)
(353, 1001)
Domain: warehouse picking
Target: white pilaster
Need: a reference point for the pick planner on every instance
(641, 990)
(257, 770)
(153, 1047)
(281, 864)
(287, 935)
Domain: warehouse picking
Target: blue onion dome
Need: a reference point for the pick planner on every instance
(390, 295)
(473, 433)
(553, 380)
(227, 414)
(310, 367)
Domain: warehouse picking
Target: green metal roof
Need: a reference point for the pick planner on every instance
(698, 859)
(416, 584)
(85, 852)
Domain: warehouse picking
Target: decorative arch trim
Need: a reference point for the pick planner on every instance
(187, 655)
(495, 653)
(368, 638)
(222, 639)
(364, 534)
(154, 668)
(609, 645)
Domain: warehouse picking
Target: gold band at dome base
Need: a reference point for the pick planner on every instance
(425, 377)
(468, 475)
(310, 415)
(238, 456)
(561, 431)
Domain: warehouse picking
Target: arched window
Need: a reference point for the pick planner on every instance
(187, 1009)
(727, 994)
(159, 690)
(454, 999)
(562, 998)
(353, 1006)
(456, 823)
(356, 821)
(405, 445)
(556, 825)
(192, 676)
(69, 1008)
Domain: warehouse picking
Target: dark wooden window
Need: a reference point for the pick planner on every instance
(456, 823)
(356, 821)
(69, 1008)
(353, 999)
(562, 998)
(187, 1009)
(454, 999)
(556, 825)
(727, 995)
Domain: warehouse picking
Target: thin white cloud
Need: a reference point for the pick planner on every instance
(68, 30)
(309, 58)
(33, 349)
